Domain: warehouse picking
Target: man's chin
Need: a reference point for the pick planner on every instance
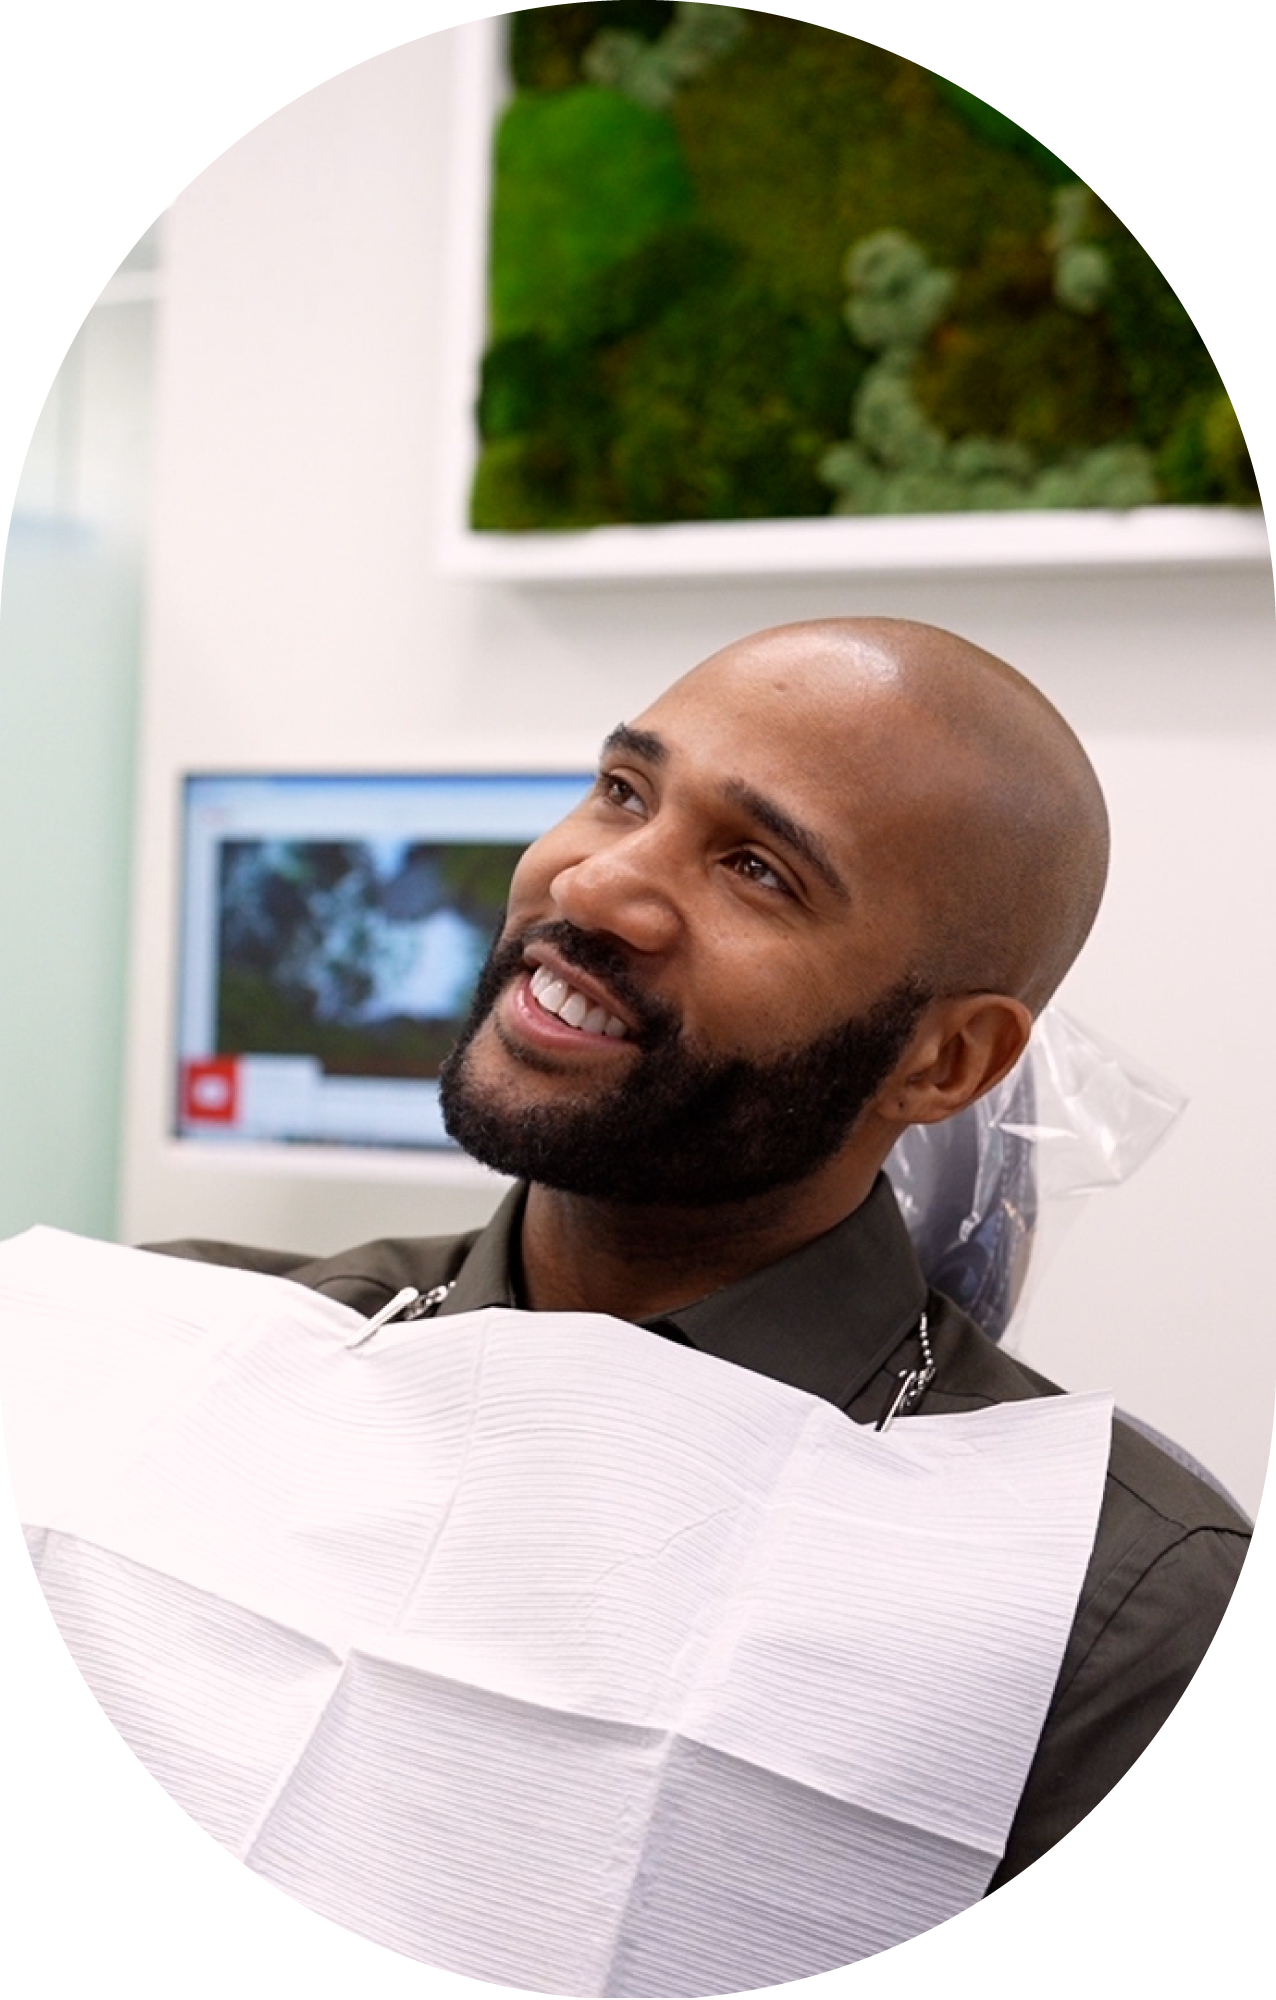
(493, 1086)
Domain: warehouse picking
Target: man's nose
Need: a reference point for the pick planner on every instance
(626, 889)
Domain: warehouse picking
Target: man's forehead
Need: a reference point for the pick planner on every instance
(770, 706)
(818, 662)
(892, 676)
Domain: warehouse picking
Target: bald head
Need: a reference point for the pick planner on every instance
(989, 798)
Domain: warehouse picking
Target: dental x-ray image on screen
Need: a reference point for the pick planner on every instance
(332, 929)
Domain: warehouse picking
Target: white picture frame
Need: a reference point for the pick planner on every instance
(1092, 538)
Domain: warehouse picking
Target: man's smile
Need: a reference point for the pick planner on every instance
(572, 996)
(556, 993)
(525, 1021)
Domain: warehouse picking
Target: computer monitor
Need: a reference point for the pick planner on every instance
(332, 929)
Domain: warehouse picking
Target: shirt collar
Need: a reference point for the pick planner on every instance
(486, 1278)
(824, 1319)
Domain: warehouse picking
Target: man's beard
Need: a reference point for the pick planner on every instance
(678, 1128)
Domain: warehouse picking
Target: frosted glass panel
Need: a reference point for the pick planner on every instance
(69, 643)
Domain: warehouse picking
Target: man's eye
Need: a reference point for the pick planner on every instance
(754, 869)
(619, 792)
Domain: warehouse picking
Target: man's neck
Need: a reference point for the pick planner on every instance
(635, 1262)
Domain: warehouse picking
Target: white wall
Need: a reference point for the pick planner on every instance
(297, 620)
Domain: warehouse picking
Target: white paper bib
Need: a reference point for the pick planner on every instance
(530, 1645)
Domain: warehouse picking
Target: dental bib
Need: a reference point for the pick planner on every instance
(533, 1646)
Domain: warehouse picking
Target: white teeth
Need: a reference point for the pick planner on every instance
(557, 997)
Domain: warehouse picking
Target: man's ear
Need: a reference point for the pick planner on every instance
(961, 1048)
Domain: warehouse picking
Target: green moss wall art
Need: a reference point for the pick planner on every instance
(742, 268)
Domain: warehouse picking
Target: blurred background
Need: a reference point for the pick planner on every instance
(248, 540)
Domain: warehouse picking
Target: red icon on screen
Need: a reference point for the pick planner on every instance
(210, 1091)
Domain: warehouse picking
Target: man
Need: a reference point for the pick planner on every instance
(818, 893)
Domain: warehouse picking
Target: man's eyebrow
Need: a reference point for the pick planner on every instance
(642, 743)
(783, 827)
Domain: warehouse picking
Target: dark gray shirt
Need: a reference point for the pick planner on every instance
(838, 1319)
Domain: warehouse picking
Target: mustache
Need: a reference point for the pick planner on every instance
(598, 957)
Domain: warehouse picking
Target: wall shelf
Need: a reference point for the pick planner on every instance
(1087, 539)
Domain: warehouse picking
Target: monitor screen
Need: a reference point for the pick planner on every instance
(332, 929)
